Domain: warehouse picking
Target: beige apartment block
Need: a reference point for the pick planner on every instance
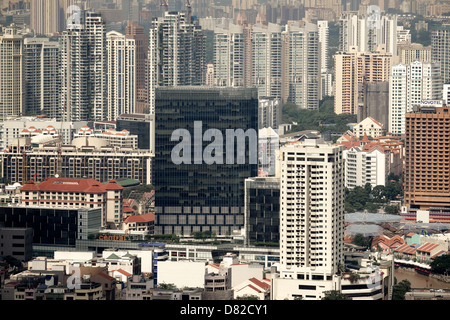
(354, 67)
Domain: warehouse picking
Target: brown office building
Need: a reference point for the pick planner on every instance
(427, 161)
(136, 32)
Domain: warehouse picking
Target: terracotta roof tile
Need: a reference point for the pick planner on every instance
(140, 218)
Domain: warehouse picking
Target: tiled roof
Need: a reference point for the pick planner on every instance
(72, 185)
(395, 240)
(374, 120)
(141, 218)
(123, 272)
(113, 185)
(113, 257)
(438, 254)
(408, 249)
(260, 283)
(104, 275)
(67, 184)
(427, 247)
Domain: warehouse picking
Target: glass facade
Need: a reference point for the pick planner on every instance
(51, 226)
(262, 210)
(137, 124)
(195, 196)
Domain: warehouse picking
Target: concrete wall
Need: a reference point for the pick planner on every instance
(182, 273)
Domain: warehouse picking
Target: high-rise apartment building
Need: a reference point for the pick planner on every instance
(410, 52)
(311, 218)
(269, 113)
(12, 74)
(446, 94)
(365, 165)
(85, 157)
(229, 56)
(367, 32)
(409, 85)
(136, 32)
(43, 77)
(266, 59)
(83, 57)
(427, 178)
(374, 102)
(355, 67)
(209, 80)
(440, 50)
(324, 34)
(301, 65)
(45, 16)
(177, 53)
(121, 71)
(198, 188)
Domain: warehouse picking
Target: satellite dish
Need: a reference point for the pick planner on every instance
(56, 175)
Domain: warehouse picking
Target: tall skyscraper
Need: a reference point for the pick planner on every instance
(43, 77)
(136, 32)
(45, 16)
(12, 80)
(311, 218)
(440, 50)
(427, 178)
(354, 67)
(121, 67)
(177, 53)
(408, 86)
(83, 46)
(204, 189)
(367, 32)
(301, 65)
(324, 34)
(229, 56)
(266, 60)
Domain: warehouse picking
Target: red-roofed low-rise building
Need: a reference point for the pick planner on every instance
(387, 244)
(76, 193)
(140, 222)
(369, 127)
(406, 251)
(253, 287)
(427, 251)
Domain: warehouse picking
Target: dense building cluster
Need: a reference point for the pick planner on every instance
(145, 154)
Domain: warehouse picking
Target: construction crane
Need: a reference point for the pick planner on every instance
(164, 3)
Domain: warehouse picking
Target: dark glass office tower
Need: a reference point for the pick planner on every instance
(262, 215)
(140, 125)
(196, 194)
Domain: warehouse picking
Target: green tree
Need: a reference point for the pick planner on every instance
(335, 295)
(392, 209)
(400, 289)
(441, 264)
(362, 241)
(166, 286)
